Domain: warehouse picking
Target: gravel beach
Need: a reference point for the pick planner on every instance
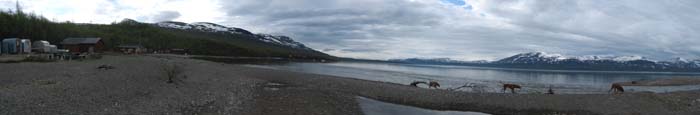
(138, 85)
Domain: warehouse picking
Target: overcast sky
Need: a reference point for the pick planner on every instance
(459, 29)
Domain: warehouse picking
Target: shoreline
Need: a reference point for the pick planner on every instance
(663, 82)
(218, 88)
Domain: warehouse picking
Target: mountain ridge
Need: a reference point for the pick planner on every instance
(216, 28)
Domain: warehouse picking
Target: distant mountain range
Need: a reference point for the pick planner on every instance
(542, 60)
(436, 61)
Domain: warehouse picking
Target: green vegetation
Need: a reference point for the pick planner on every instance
(30, 26)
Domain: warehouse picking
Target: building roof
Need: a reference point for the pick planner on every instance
(10, 39)
(75, 41)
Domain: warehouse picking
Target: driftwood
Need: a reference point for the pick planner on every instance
(105, 67)
(431, 84)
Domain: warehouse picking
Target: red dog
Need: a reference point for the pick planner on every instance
(512, 87)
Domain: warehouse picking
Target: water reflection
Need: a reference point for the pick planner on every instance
(454, 76)
(374, 107)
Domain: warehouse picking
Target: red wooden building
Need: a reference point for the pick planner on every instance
(83, 45)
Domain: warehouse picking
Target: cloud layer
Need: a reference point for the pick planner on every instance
(467, 30)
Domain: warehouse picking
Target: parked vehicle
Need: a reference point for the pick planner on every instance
(43, 47)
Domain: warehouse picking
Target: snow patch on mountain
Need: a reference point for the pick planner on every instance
(280, 40)
(215, 28)
(549, 57)
(202, 26)
(437, 61)
(211, 27)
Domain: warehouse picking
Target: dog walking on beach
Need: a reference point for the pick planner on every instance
(616, 88)
(512, 87)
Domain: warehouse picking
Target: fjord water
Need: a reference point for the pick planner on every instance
(484, 79)
(374, 107)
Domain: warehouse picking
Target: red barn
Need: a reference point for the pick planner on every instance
(83, 45)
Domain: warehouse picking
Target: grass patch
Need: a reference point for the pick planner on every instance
(37, 59)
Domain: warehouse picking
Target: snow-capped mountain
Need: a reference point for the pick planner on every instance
(202, 26)
(436, 61)
(543, 57)
(281, 40)
(533, 57)
(616, 63)
(216, 28)
(543, 60)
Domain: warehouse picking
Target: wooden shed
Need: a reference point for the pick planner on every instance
(83, 45)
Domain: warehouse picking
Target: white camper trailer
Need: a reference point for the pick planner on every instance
(52, 49)
(25, 46)
(41, 46)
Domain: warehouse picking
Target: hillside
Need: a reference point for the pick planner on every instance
(201, 38)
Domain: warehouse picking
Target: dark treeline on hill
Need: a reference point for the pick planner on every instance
(29, 26)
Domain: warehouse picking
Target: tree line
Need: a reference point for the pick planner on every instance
(17, 24)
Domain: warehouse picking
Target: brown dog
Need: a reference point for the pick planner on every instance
(616, 88)
(512, 87)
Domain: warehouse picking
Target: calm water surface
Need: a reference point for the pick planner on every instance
(374, 107)
(485, 79)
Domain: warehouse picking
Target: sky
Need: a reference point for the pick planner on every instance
(457, 29)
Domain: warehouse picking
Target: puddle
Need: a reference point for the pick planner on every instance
(271, 86)
(374, 107)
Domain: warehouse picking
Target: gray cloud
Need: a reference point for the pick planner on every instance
(380, 29)
(486, 30)
(165, 16)
(658, 29)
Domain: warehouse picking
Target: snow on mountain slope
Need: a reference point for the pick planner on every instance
(280, 40)
(533, 57)
(437, 61)
(543, 60)
(202, 26)
(215, 28)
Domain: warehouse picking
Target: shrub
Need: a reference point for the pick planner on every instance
(37, 59)
(171, 71)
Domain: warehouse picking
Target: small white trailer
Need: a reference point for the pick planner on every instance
(41, 46)
(25, 46)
